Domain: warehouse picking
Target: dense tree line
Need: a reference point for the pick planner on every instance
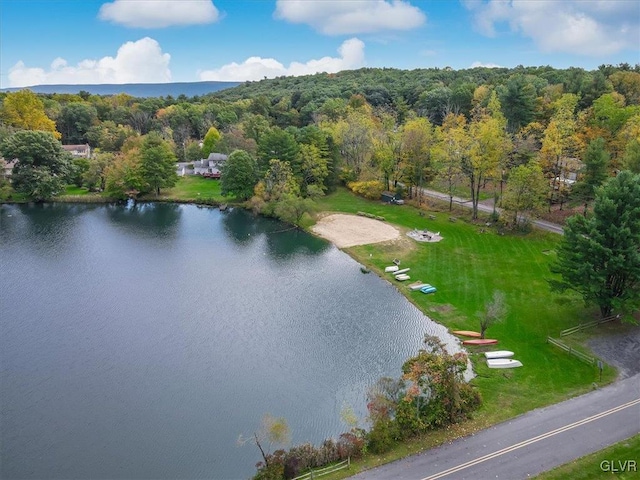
(374, 128)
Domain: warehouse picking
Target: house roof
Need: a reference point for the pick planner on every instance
(72, 148)
(217, 157)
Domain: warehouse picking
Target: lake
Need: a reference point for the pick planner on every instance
(140, 341)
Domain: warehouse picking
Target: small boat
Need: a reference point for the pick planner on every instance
(503, 363)
(467, 333)
(404, 270)
(392, 268)
(418, 285)
(365, 270)
(428, 289)
(498, 354)
(480, 341)
(402, 277)
(396, 261)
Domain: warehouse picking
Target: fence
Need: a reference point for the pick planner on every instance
(572, 351)
(582, 326)
(325, 471)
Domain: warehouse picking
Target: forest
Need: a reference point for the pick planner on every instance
(535, 137)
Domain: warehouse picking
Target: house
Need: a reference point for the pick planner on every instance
(6, 168)
(78, 151)
(207, 167)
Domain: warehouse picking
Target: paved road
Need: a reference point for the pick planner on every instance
(550, 227)
(532, 443)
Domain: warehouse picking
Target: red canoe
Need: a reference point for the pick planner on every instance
(467, 333)
(480, 341)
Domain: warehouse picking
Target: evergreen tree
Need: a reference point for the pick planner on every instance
(599, 256)
(594, 173)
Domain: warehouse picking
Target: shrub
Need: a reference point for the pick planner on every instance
(372, 189)
(383, 436)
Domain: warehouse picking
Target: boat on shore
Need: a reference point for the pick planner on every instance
(402, 277)
(503, 363)
(392, 268)
(480, 341)
(418, 285)
(467, 333)
(428, 289)
(498, 354)
(404, 270)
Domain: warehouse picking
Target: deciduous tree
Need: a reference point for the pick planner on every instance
(239, 175)
(23, 109)
(525, 191)
(42, 167)
(157, 163)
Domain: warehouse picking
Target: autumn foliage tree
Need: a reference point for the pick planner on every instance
(24, 110)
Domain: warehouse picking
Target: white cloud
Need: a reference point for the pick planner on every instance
(336, 17)
(485, 65)
(584, 27)
(256, 68)
(135, 62)
(159, 13)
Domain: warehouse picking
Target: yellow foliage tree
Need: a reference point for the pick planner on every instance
(24, 110)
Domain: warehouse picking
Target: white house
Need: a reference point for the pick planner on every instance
(208, 167)
(78, 151)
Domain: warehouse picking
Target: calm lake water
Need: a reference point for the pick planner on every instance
(140, 342)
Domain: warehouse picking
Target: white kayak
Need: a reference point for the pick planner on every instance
(503, 363)
(499, 354)
(392, 268)
(402, 277)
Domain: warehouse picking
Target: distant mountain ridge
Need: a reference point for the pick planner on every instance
(140, 90)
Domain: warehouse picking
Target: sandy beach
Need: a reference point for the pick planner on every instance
(350, 230)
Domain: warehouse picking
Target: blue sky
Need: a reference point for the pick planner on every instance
(124, 41)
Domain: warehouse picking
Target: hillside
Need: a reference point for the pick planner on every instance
(139, 90)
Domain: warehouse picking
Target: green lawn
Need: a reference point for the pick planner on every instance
(621, 461)
(466, 267)
(194, 188)
(74, 190)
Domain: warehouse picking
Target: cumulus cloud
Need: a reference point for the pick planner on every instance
(336, 17)
(159, 13)
(585, 27)
(485, 65)
(256, 68)
(135, 62)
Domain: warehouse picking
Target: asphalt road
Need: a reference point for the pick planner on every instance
(550, 227)
(531, 443)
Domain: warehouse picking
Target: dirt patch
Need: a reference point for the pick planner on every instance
(350, 230)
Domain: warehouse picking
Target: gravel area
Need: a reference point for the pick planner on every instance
(349, 230)
(622, 350)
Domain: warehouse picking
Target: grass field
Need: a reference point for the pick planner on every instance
(466, 267)
(194, 188)
(621, 461)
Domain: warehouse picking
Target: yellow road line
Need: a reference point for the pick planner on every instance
(531, 440)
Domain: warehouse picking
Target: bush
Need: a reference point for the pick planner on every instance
(372, 189)
(383, 436)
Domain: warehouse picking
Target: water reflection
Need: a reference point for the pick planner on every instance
(147, 219)
(240, 226)
(282, 240)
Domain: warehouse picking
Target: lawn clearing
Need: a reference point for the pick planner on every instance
(194, 188)
(466, 267)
